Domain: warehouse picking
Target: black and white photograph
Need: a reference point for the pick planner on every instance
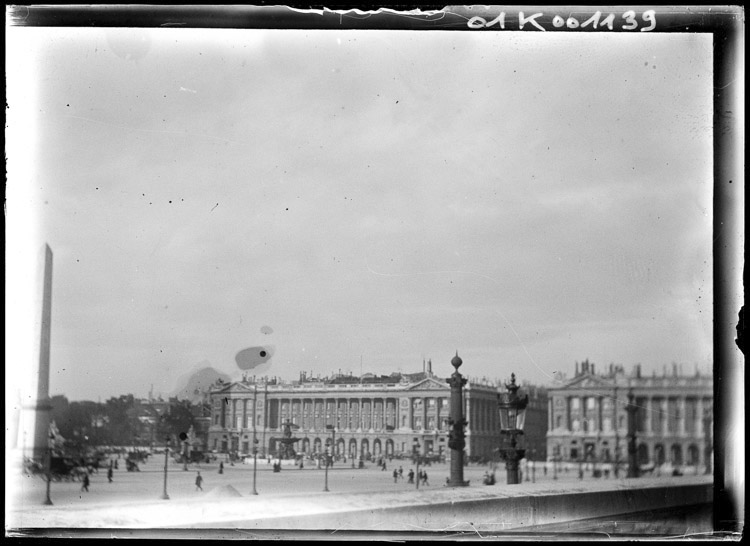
(472, 273)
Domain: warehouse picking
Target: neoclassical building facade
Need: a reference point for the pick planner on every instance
(364, 417)
(588, 419)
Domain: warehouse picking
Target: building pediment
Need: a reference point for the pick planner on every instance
(588, 381)
(429, 385)
(229, 388)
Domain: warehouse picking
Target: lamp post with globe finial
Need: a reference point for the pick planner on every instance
(456, 435)
(512, 413)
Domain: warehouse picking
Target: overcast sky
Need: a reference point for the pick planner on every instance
(359, 200)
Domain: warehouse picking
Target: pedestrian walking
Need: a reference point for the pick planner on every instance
(198, 482)
(411, 476)
(400, 472)
(221, 468)
(395, 476)
(116, 463)
(109, 473)
(85, 486)
(424, 478)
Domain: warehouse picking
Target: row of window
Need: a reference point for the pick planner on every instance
(589, 402)
(590, 424)
(432, 423)
(678, 454)
(314, 414)
(354, 448)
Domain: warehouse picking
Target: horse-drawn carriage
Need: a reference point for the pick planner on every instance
(193, 457)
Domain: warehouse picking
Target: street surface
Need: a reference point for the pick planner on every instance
(149, 482)
(133, 499)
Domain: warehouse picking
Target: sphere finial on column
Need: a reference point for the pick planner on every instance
(456, 361)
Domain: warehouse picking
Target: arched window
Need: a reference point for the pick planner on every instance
(642, 454)
(659, 455)
(693, 455)
(676, 454)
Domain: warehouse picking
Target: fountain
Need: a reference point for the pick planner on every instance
(287, 442)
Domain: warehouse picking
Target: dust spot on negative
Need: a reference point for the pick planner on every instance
(252, 357)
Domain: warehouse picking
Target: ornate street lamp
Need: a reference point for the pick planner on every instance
(707, 418)
(330, 443)
(332, 430)
(632, 409)
(48, 468)
(255, 439)
(512, 410)
(581, 457)
(555, 456)
(184, 441)
(164, 495)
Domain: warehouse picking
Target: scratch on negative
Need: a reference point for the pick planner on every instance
(155, 131)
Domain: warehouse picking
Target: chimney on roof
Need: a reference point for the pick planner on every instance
(638, 371)
(592, 369)
(429, 366)
(576, 368)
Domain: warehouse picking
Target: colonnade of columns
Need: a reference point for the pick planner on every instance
(657, 415)
(672, 415)
(670, 428)
(345, 414)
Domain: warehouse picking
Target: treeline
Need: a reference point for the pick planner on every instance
(120, 421)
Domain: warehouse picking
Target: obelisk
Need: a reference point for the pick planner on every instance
(41, 406)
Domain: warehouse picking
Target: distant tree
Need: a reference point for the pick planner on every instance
(178, 418)
(77, 422)
(60, 408)
(120, 414)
